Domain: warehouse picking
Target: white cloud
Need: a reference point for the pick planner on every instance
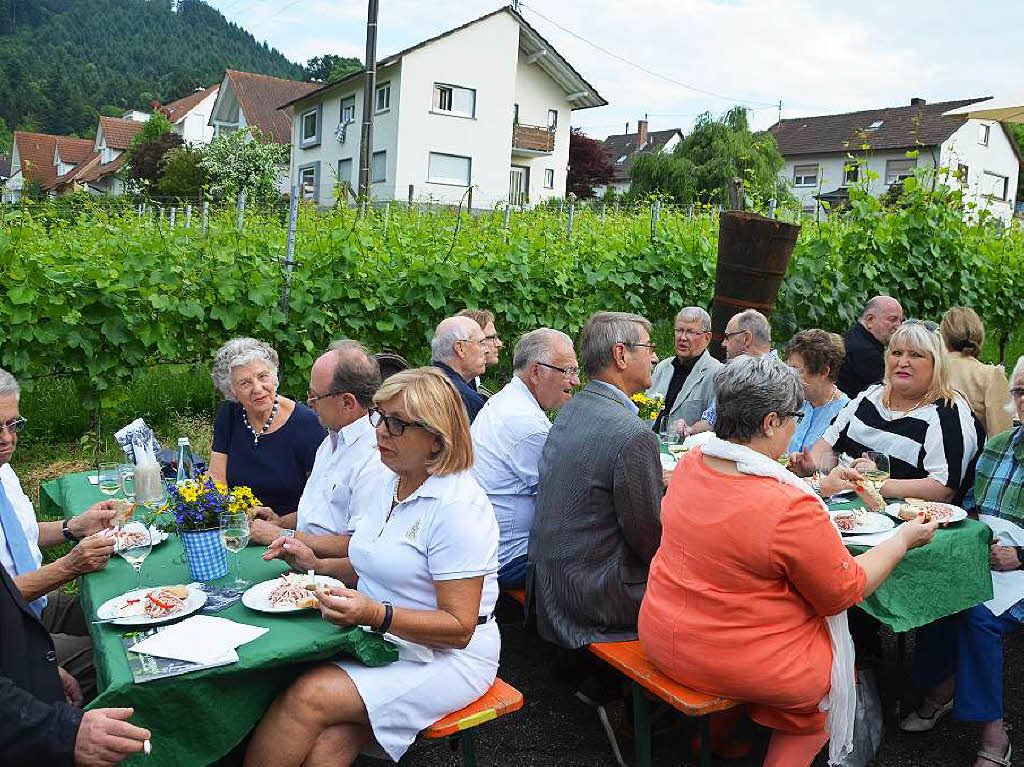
(817, 57)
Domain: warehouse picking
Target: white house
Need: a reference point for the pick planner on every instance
(979, 154)
(486, 106)
(190, 115)
(623, 148)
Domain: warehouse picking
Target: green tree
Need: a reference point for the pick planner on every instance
(155, 127)
(244, 161)
(6, 137)
(148, 147)
(704, 162)
(330, 67)
(1016, 131)
(182, 173)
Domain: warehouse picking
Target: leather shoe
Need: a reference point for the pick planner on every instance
(917, 723)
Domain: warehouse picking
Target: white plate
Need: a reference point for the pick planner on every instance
(258, 597)
(873, 522)
(157, 536)
(112, 607)
(957, 514)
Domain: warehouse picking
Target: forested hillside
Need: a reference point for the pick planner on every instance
(63, 62)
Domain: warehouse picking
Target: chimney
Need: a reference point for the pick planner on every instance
(627, 129)
(641, 133)
(917, 102)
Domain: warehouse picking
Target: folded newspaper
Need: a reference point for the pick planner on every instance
(135, 433)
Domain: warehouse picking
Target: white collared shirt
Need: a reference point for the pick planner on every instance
(26, 515)
(508, 436)
(325, 507)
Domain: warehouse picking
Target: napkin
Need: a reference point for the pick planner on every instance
(199, 639)
(1008, 587)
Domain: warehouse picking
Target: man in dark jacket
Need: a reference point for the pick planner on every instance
(459, 349)
(38, 724)
(865, 345)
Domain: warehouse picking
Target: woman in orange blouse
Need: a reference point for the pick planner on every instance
(750, 567)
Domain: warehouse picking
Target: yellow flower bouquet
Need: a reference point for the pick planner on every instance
(197, 504)
(649, 406)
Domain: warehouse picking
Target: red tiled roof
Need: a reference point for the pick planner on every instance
(899, 128)
(119, 133)
(35, 152)
(176, 111)
(259, 97)
(72, 149)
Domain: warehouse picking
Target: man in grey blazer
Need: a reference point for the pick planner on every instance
(686, 381)
(597, 522)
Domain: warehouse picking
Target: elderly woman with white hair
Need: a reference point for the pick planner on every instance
(261, 439)
(959, 660)
(747, 594)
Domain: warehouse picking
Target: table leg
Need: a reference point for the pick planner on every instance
(468, 749)
(641, 727)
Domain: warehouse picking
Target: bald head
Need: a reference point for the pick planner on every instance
(881, 316)
(342, 383)
(459, 343)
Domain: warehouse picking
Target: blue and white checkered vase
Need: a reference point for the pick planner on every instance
(206, 555)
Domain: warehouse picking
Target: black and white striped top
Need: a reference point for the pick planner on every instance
(940, 441)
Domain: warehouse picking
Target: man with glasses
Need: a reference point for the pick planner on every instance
(485, 319)
(21, 539)
(686, 381)
(509, 435)
(865, 345)
(342, 383)
(459, 349)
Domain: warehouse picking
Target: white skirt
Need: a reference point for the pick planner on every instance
(405, 697)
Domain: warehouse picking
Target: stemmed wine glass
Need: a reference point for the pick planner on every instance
(134, 542)
(234, 534)
(108, 478)
(874, 468)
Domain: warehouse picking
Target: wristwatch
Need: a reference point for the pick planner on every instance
(68, 535)
(287, 533)
(389, 614)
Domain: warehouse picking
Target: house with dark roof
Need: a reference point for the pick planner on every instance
(485, 106)
(623, 148)
(825, 155)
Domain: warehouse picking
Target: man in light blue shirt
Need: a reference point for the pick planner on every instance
(509, 434)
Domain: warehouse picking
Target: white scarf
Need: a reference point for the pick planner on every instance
(841, 700)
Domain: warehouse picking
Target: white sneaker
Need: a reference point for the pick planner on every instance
(917, 723)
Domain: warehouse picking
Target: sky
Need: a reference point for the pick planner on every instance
(815, 57)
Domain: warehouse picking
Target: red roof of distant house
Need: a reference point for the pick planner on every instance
(119, 133)
(176, 111)
(36, 153)
(259, 97)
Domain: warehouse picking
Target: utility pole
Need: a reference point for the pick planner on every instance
(780, 110)
(369, 96)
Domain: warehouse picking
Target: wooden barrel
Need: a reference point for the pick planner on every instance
(753, 254)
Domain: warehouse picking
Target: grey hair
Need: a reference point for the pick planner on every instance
(9, 385)
(874, 305)
(450, 330)
(602, 331)
(760, 331)
(238, 352)
(535, 346)
(356, 372)
(748, 389)
(695, 314)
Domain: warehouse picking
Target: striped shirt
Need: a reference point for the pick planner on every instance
(939, 441)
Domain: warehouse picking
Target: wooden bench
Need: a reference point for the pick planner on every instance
(501, 699)
(629, 659)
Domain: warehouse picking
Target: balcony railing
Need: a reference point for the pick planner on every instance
(533, 138)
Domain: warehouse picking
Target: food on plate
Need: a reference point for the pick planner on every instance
(293, 590)
(127, 539)
(871, 497)
(926, 511)
(846, 521)
(157, 603)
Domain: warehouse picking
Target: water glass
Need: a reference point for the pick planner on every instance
(134, 542)
(234, 534)
(126, 475)
(108, 478)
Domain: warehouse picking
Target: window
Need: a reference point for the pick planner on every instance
(449, 169)
(874, 126)
(805, 175)
(962, 173)
(309, 128)
(384, 97)
(552, 118)
(984, 131)
(348, 110)
(851, 173)
(993, 185)
(378, 167)
(897, 170)
(345, 171)
(455, 100)
(549, 178)
(309, 181)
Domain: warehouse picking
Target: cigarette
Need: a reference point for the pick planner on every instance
(147, 747)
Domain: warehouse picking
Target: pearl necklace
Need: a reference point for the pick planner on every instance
(905, 410)
(266, 426)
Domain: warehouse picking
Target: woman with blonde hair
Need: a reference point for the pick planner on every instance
(984, 386)
(423, 563)
(915, 417)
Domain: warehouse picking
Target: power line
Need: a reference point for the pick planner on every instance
(642, 68)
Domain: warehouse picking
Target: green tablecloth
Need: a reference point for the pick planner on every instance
(197, 718)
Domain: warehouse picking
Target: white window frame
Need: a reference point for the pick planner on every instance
(800, 179)
(552, 119)
(350, 102)
(384, 165)
(449, 181)
(437, 103)
(351, 165)
(549, 178)
(893, 177)
(310, 141)
(314, 168)
(382, 104)
(1000, 177)
(984, 134)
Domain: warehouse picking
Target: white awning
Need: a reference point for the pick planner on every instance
(1007, 110)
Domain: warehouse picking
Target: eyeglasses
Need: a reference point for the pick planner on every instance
(396, 426)
(312, 399)
(631, 345)
(474, 340)
(733, 333)
(1015, 392)
(797, 416)
(14, 426)
(567, 372)
(691, 333)
(930, 326)
(491, 338)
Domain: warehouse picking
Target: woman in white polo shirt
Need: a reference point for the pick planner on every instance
(424, 557)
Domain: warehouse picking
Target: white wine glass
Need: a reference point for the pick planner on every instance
(108, 479)
(134, 542)
(234, 534)
(126, 477)
(875, 469)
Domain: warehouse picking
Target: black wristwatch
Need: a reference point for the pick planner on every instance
(389, 614)
(68, 535)
(1020, 556)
